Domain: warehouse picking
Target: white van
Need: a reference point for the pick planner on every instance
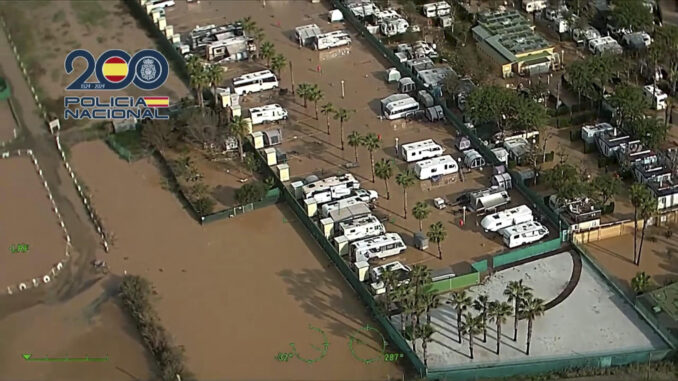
(424, 149)
(438, 166)
(267, 114)
(505, 218)
(376, 247)
(361, 228)
(523, 234)
(655, 96)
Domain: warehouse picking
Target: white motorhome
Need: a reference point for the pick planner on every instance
(161, 4)
(339, 204)
(655, 96)
(335, 187)
(436, 9)
(424, 149)
(377, 247)
(361, 228)
(522, 234)
(255, 82)
(531, 6)
(267, 114)
(509, 217)
(391, 23)
(332, 40)
(437, 166)
(400, 108)
(488, 199)
(584, 35)
(401, 271)
(605, 44)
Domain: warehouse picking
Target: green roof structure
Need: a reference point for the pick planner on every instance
(4, 89)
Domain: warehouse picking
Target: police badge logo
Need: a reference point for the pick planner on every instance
(148, 71)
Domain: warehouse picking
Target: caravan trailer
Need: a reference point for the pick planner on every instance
(333, 187)
(255, 82)
(424, 149)
(339, 204)
(361, 228)
(522, 234)
(267, 114)
(505, 218)
(401, 273)
(488, 199)
(655, 96)
(438, 166)
(331, 40)
(376, 247)
(440, 8)
(401, 108)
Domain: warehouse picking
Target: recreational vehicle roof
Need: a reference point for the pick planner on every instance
(329, 182)
(393, 98)
(360, 221)
(447, 159)
(351, 212)
(307, 32)
(399, 103)
(422, 144)
(521, 228)
(250, 76)
(270, 107)
(366, 243)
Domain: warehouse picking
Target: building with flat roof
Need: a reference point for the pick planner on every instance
(510, 41)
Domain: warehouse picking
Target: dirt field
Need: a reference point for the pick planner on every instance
(27, 218)
(310, 150)
(90, 324)
(224, 297)
(657, 260)
(7, 123)
(95, 26)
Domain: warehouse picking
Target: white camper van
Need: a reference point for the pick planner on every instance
(399, 107)
(424, 149)
(335, 187)
(437, 166)
(255, 82)
(339, 204)
(655, 96)
(505, 218)
(377, 247)
(332, 40)
(401, 271)
(361, 228)
(522, 234)
(267, 114)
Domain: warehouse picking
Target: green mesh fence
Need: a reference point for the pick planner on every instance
(457, 282)
(545, 365)
(480, 266)
(271, 197)
(364, 295)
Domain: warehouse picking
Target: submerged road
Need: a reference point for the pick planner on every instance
(37, 137)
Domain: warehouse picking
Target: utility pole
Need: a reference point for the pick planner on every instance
(291, 76)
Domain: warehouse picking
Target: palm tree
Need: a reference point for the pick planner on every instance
(499, 312)
(640, 283)
(390, 283)
(644, 204)
(355, 140)
(400, 296)
(371, 142)
(421, 212)
(436, 233)
(411, 309)
(405, 179)
(481, 304)
(278, 62)
(327, 109)
(248, 25)
(215, 74)
(315, 95)
(342, 115)
(425, 333)
(532, 309)
(431, 301)
(239, 129)
(517, 292)
(267, 51)
(461, 302)
(472, 326)
(383, 169)
(197, 76)
(303, 90)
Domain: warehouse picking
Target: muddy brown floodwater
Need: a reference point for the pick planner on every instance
(234, 293)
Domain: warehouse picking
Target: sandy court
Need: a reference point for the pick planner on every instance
(238, 290)
(26, 219)
(7, 123)
(591, 301)
(90, 324)
(657, 259)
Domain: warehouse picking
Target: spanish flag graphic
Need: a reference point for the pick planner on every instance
(115, 69)
(156, 101)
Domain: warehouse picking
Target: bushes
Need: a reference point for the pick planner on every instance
(135, 294)
(250, 193)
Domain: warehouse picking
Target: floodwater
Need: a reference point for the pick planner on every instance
(234, 293)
